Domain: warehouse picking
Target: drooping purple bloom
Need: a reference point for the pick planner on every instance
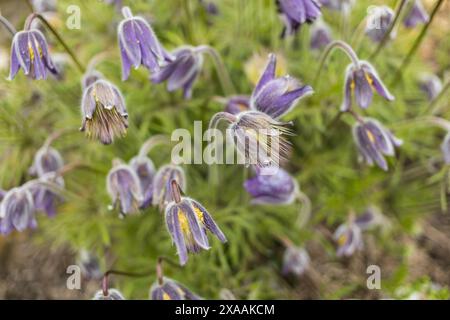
(369, 218)
(90, 77)
(361, 81)
(162, 195)
(182, 72)
(379, 19)
(320, 35)
(187, 222)
(348, 237)
(124, 188)
(113, 294)
(89, 265)
(278, 188)
(139, 45)
(46, 159)
(104, 113)
(295, 260)
(445, 147)
(41, 6)
(297, 12)
(431, 85)
(46, 199)
(276, 96)
(237, 104)
(374, 142)
(145, 170)
(171, 290)
(29, 51)
(210, 7)
(417, 14)
(17, 211)
(338, 4)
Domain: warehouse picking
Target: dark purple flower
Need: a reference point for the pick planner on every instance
(348, 237)
(124, 188)
(139, 45)
(379, 20)
(445, 147)
(278, 188)
(17, 211)
(374, 142)
(29, 51)
(415, 15)
(89, 265)
(295, 260)
(45, 198)
(320, 35)
(360, 81)
(162, 195)
(145, 170)
(104, 112)
(210, 7)
(431, 85)
(276, 96)
(338, 4)
(187, 222)
(113, 294)
(46, 159)
(297, 12)
(171, 290)
(237, 104)
(182, 72)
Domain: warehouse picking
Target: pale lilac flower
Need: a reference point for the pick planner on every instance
(338, 4)
(113, 294)
(360, 82)
(237, 104)
(369, 218)
(89, 265)
(162, 195)
(46, 199)
(379, 19)
(417, 14)
(171, 290)
(145, 170)
(91, 77)
(431, 85)
(374, 142)
(139, 45)
(297, 12)
(320, 35)
(40, 6)
(46, 159)
(295, 260)
(348, 237)
(17, 211)
(29, 51)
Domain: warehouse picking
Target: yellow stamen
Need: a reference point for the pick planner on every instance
(371, 136)
(166, 296)
(369, 78)
(352, 85)
(31, 51)
(341, 240)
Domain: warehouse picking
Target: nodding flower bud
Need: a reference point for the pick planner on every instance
(369, 218)
(46, 159)
(278, 188)
(145, 171)
(46, 199)
(320, 35)
(17, 211)
(294, 13)
(374, 142)
(348, 237)
(162, 188)
(124, 188)
(89, 264)
(237, 104)
(139, 45)
(340, 5)
(40, 6)
(416, 14)
(104, 113)
(187, 222)
(182, 72)
(171, 290)
(29, 51)
(360, 82)
(379, 19)
(295, 260)
(113, 294)
(276, 96)
(431, 85)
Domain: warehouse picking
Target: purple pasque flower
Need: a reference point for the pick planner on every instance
(445, 147)
(171, 290)
(46, 159)
(374, 142)
(294, 13)
(187, 222)
(124, 188)
(112, 294)
(90, 77)
(348, 237)
(431, 85)
(139, 45)
(416, 14)
(89, 265)
(360, 82)
(338, 4)
(295, 260)
(278, 188)
(379, 19)
(17, 211)
(162, 194)
(145, 171)
(182, 72)
(46, 198)
(29, 51)
(320, 35)
(369, 218)
(276, 96)
(237, 104)
(104, 113)
(41, 6)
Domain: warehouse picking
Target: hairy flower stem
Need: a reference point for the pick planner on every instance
(221, 116)
(305, 211)
(333, 45)
(222, 72)
(8, 25)
(152, 142)
(33, 16)
(105, 280)
(57, 134)
(386, 36)
(417, 43)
